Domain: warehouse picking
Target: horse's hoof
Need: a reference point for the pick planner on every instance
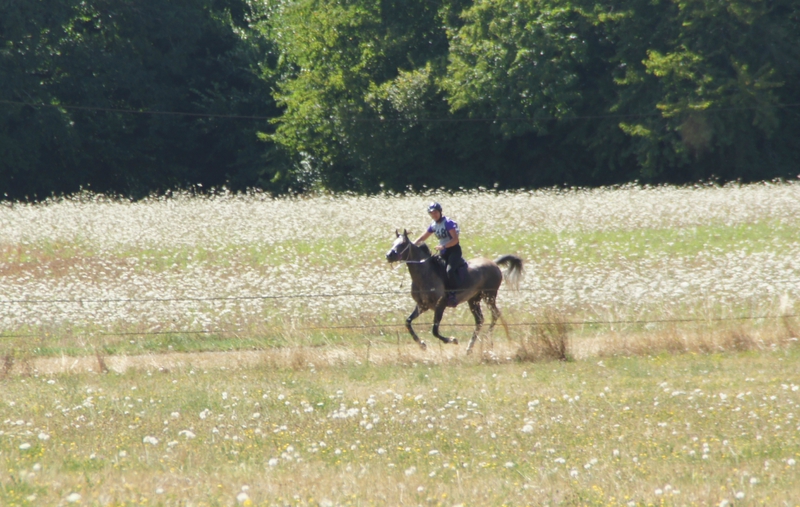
(469, 350)
(454, 341)
(423, 345)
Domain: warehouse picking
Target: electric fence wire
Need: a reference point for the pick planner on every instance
(380, 327)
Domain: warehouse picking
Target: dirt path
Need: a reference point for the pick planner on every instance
(299, 358)
(405, 353)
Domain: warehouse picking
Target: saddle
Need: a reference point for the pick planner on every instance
(440, 267)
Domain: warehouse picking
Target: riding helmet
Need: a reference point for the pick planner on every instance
(434, 206)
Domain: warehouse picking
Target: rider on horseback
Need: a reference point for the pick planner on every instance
(446, 231)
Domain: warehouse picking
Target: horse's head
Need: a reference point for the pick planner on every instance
(401, 247)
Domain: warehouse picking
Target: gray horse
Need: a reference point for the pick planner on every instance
(481, 281)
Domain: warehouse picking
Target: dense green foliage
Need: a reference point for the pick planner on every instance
(365, 95)
(114, 59)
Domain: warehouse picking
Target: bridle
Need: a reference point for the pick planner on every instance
(400, 256)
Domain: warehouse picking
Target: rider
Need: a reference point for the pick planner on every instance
(449, 248)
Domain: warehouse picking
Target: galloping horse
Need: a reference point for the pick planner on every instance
(482, 280)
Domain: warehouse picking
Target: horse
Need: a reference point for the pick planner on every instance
(481, 282)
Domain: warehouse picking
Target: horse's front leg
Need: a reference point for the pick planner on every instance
(437, 318)
(410, 318)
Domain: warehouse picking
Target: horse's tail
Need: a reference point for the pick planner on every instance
(513, 274)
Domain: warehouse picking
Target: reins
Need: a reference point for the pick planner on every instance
(400, 254)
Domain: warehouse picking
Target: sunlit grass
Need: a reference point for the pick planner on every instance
(671, 430)
(618, 245)
(234, 374)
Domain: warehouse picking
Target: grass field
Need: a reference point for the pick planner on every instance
(255, 354)
(662, 430)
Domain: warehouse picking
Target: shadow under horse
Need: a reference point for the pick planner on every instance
(480, 282)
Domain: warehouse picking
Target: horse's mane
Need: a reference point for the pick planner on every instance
(426, 250)
(439, 266)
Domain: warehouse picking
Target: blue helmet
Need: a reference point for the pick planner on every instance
(434, 206)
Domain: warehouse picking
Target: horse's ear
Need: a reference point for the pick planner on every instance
(405, 233)
(397, 233)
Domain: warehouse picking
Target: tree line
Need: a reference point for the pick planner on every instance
(138, 97)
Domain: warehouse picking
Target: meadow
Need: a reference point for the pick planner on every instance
(240, 349)
(233, 271)
(716, 429)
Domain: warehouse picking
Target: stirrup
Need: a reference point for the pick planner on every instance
(452, 302)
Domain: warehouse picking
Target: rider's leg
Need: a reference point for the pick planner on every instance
(454, 262)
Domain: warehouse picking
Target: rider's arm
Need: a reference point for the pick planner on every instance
(423, 237)
(453, 238)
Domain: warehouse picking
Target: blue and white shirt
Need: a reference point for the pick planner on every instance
(442, 229)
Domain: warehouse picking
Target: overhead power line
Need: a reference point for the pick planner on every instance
(385, 119)
(139, 112)
(200, 299)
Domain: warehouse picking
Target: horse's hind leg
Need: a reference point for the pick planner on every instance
(475, 308)
(491, 300)
(410, 319)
